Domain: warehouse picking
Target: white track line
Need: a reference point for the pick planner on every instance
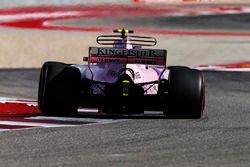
(16, 123)
(90, 120)
(39, 15)
(2, 130)
(217, 68)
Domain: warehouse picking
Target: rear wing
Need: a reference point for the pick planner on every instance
(132, 40)
(127, 56)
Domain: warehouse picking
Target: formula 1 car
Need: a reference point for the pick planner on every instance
(122, 79)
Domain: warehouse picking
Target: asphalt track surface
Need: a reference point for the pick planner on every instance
(220, 138)
(222, 22)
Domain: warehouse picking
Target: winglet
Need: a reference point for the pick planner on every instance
(123, 32)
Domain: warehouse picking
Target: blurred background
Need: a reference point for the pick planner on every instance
(195, 32)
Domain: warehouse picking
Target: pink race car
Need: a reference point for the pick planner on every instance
(123, 79)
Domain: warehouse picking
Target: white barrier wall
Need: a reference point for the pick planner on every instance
(10, 3)
(190, 1)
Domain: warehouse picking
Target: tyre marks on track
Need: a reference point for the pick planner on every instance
(241, 66)
(18, 114)
(43, 17)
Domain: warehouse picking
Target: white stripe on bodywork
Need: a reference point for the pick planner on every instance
(89, 110)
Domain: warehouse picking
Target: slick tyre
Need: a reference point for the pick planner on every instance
(59, 88)
(186, 96)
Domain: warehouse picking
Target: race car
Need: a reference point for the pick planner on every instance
(122, 78)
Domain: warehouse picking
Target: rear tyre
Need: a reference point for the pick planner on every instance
(59, 89)
(186, 95)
